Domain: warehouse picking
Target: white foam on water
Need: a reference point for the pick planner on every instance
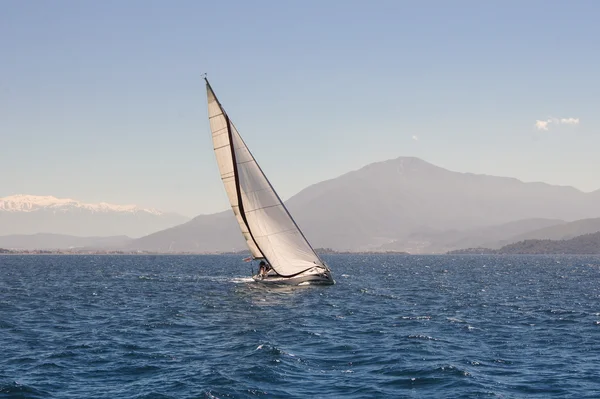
(241, 280)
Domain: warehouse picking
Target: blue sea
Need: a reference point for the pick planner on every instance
(393, 326)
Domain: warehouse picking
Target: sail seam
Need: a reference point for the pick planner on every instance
(264, 207)
(279, 232)
(258, 191)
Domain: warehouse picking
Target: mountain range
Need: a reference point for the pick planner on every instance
(404, 204)
(32, 214)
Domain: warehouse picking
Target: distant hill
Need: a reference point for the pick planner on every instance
(562, 231)
(32, 214)
(490, 237)
(582, 245)
(585, 244)
(60, 241)
(555, 231)
(206, 233)
(404, 200)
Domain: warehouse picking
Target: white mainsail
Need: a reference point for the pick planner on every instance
(222, 146)
(267, 226)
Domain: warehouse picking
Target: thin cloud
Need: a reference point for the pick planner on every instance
(542, 125)
(570, 121)
(415, 138)
(545, 125)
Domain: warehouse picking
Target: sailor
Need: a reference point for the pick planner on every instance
(262, 268)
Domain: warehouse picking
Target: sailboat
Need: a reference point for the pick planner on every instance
(272, 236)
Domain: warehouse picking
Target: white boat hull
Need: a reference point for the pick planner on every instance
(309, 277)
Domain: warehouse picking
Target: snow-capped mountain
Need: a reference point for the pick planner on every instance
(32, 203)
(31, 214)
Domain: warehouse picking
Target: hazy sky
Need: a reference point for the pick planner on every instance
(104, 100)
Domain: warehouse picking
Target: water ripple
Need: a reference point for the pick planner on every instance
(394, 326)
